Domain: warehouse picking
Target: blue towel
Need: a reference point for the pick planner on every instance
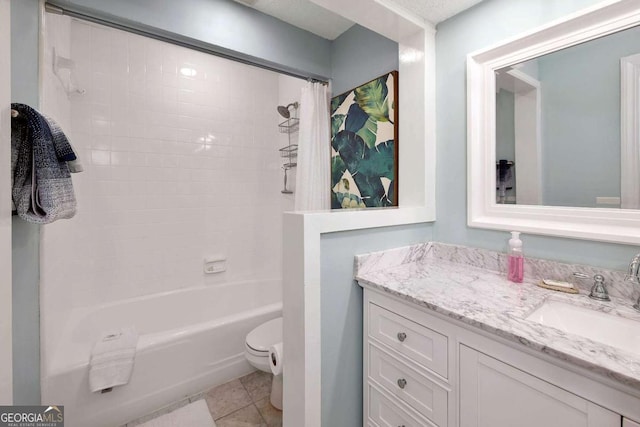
(42, 190)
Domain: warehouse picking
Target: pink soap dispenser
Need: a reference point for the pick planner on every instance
(516, 258)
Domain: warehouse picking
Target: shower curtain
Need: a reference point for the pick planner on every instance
(312, 176)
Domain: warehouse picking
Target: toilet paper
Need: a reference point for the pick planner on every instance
(275, 358)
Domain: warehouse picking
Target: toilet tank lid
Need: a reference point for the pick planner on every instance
(265, 335)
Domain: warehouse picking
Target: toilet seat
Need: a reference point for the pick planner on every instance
(264, 336)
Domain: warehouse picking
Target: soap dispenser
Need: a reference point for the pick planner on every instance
(516, 258)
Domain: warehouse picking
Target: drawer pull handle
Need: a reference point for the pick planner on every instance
(402, 336)
(402, 383)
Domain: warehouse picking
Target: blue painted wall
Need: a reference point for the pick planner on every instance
(341, 322)
(360, 55)
(357, 56)
(485, 24)
(25, 236)
(222, 25)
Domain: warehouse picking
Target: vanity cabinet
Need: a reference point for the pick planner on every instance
(493, 393)
(406, 369)
(425, 369)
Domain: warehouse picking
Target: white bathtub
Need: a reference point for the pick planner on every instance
(190, 340)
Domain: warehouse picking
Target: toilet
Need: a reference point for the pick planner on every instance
(256, 350)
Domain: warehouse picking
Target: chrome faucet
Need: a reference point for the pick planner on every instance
(633, 275)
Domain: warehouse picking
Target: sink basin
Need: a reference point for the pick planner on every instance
(605, 328)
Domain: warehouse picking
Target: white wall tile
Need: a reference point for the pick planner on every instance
(177, 168)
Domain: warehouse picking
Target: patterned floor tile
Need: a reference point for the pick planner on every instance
(245, 417)
(271, 415)
(227, 398)
(258, 384)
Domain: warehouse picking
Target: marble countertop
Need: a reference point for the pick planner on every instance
(485, 299)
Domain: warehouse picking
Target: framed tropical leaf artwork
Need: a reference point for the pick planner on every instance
(364, 142)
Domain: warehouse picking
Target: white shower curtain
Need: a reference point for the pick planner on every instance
(312, 175)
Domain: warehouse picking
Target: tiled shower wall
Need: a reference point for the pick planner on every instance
(181, 160)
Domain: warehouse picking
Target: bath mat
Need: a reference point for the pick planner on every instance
(195, 414)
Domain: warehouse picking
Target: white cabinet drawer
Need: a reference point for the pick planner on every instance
(413, 388)
(385, 413)
(419, 343)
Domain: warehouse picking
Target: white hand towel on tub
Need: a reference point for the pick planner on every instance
(112, 359)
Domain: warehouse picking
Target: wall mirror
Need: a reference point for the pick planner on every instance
(554, 128)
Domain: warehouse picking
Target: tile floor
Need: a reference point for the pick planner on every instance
(243, 402)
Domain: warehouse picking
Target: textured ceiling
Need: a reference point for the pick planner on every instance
(318, 20)
(303, 14)
(435, 11)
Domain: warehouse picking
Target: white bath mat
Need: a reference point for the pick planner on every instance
(195, 414)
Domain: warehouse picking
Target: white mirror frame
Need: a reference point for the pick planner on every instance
(611, 225)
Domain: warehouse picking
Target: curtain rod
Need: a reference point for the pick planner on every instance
(310, 80)
(168, 37)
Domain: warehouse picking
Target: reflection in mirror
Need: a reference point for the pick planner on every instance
(568, 126)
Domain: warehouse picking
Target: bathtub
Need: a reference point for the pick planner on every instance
(190, 340)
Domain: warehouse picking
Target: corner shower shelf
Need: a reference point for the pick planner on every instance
(289, 126)
(290, 153)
